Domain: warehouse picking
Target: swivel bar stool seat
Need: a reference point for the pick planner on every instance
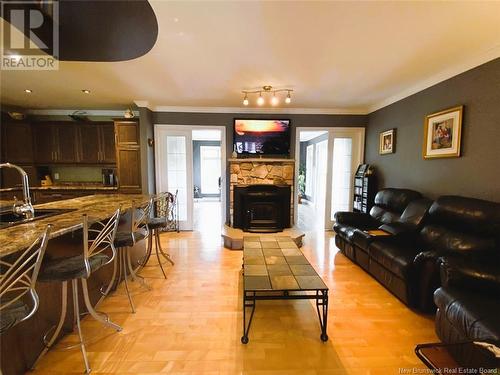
(18, 276)
(97, 239)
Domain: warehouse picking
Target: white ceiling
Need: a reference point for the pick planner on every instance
(339, 57)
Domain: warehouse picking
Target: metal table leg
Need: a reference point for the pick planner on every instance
(248, 301)
(322, 302)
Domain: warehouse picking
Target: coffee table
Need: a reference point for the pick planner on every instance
(274, 268)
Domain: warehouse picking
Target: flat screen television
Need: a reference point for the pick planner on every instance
(265, 137)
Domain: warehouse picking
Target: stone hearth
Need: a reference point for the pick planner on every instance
(261, 171)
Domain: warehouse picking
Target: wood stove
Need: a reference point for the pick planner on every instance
(262, 208)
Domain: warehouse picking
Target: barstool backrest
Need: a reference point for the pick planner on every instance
(139, 217)
(18, 276)
(99, 237)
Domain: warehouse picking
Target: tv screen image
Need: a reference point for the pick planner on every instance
(270, 137)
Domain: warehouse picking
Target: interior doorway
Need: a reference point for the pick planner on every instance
(191, 160)
(327, 159)
(207, 179)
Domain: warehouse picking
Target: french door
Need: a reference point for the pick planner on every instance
(336, 160)
(173, 154)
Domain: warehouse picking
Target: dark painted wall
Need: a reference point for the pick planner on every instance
(226, 119)
(475, 173)
(197, 163)
(147, 152)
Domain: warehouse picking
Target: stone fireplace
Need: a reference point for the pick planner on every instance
(249, 172)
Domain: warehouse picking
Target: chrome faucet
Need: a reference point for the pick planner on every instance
(25, 209)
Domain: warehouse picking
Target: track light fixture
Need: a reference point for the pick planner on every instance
(267, 89)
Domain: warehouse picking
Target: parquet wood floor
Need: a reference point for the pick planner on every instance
(191, 323)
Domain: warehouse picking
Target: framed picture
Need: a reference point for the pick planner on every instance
(442, 132)
(387, 142)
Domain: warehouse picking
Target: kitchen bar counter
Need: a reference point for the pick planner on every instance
(97, 207)
(21, 345)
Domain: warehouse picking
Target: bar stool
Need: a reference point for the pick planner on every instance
(162, 203)
(125, 240)
(96, 240)
(18, 276)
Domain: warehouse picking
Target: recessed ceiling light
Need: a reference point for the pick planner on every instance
(28, 91)
(85, 91)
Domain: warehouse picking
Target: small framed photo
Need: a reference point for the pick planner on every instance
(387, 142)
(442, 133)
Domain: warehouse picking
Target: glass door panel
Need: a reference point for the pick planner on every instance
(341, 175)
(210, 169)
(174, 174)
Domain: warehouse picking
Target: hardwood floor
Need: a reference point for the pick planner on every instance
(191, 323)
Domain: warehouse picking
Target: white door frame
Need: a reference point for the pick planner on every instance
(179, 127)
(332, 133)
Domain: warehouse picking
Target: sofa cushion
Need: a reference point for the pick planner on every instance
(396, 256)
(474, 315)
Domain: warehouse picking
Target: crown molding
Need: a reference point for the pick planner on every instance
(88, 112)
(305, 111)
(445, 74)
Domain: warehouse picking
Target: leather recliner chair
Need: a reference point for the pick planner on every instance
(389, 205)
(469, 299)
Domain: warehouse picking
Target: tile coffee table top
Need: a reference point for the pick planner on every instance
(277, 264)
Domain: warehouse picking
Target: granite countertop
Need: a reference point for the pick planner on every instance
(64, 187)
(97, 207)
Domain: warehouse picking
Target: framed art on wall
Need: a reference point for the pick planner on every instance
(387, 142)
(442, 133)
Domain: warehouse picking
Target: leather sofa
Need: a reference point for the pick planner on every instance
(388, 208)
(407, 263)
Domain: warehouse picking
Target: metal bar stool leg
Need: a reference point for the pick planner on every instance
(64, 308)
(123, 266)
(76, 309)
(133, 274)
(97, 316)
(157, 244)
(113, 278)
(165, 255)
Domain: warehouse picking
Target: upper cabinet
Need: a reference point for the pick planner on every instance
(17, 145)
(127, 133)
(128, 156)
(55, 143)
(96, 143)
(69, 142)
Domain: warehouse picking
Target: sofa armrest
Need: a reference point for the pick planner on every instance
(481, 275)
(355, 219)
(427, 268)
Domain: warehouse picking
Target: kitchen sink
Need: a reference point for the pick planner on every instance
(9, 219)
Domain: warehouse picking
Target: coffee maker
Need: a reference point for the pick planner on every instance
(108, 177)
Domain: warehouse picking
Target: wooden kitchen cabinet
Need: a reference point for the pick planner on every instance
(44, 142)
(107, 145)
(128, 156)
(66, 143)
(96, 143)
(17, 143)
(88, 143)
(55, 143)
